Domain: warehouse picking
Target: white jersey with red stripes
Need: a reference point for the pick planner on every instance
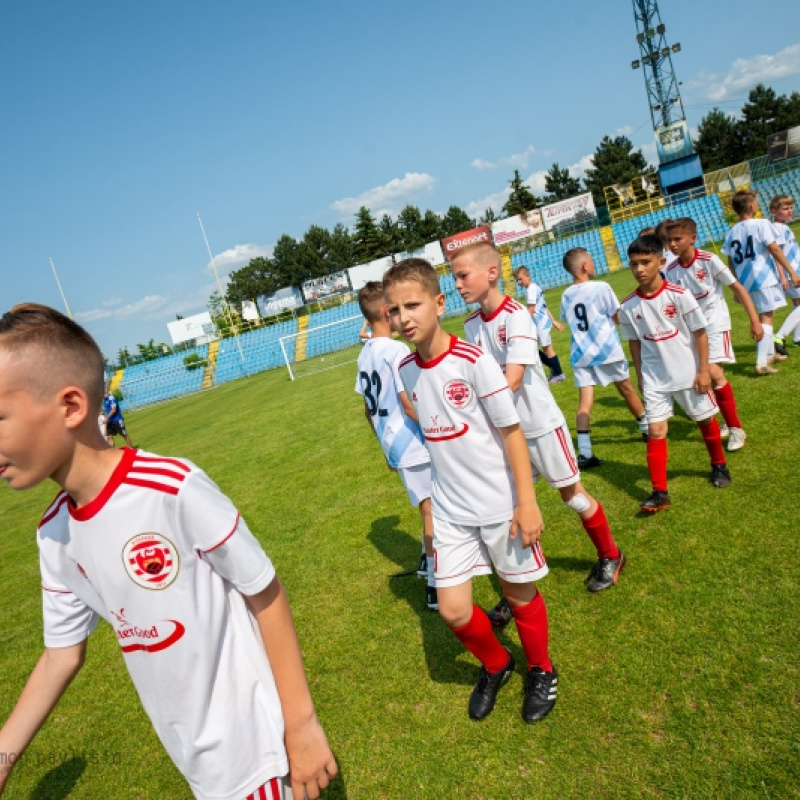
(164, 557)
(509, 336)
(461, 399)
(704, 276)
(663, 322)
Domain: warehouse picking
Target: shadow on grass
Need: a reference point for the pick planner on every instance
(570, 564)
(634, 479)
(441, 647)
(60, 781)
(337, 788)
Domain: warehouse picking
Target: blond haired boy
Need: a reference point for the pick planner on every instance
(781, 208)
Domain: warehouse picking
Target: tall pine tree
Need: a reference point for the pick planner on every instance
(615, 161)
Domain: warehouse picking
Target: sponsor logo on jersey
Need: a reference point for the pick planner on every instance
(457, 393)
(502, 338)
(151, 560)
(669, 311)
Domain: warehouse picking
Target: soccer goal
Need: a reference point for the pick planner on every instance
(322, 347)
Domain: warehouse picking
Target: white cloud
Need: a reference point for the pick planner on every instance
(144, 308)
(625, 130)
(384, 199)
(495, 201)
(111, 302)
(480, 163)
(578, 169)
(518, 160)
(747, 72)
(236, 257)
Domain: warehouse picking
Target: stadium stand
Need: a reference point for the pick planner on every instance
(161, 379)
(788, 183)
(255, 351)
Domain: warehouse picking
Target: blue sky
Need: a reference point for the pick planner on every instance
(124, 120)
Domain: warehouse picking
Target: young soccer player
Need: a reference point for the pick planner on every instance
(152, 546)
(669, 347)
(484, 505)
(544, 322)
(503, 328)
(393, 418)
(781, 207)
(115, 423)
(749, 245)
(704, 275)
(591, 310)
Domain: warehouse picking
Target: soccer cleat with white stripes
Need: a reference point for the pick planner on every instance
(541, 689)
(422, 567)
(736, 440)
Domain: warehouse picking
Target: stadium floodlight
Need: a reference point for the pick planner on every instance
(661, 28)
(639, 37)
(665, 52)
(635, 64)
(650, 33)
(676, 48)
(656, 108)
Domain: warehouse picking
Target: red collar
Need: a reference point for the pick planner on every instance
(655, 294)
(94, 506)
(434, 361)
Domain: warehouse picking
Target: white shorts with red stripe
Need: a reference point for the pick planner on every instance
(553, 458)
(273, 789)
(463, 551)
(658, 404)
(720, 349)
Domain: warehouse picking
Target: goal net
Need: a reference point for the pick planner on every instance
(315, 349)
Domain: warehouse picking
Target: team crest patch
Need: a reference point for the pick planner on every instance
(669, 311)
(151, 560)
(502, 338)
(458, 394)
(700, 274)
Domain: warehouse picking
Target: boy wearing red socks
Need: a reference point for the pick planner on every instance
(483, 502)
(669, 346)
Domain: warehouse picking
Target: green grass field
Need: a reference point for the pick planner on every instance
(681, 682)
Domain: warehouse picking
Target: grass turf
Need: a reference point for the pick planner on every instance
(682, 682)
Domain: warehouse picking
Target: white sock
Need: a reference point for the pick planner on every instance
(762, 347)
(431, 578)
(585, 444)
(790, 323)
(796, 335)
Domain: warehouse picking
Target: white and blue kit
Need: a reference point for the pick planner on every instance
(788, 243)
(541, 319)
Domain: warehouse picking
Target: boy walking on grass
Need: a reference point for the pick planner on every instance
(781, 207)
(484, 506)
(152, 546)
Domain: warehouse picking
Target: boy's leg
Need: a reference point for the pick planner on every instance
(723, 392)
(766, 347)
(789, 324)
(431, 598)
(554, 364)
(709, 429)
(585, 402)
(634, 403)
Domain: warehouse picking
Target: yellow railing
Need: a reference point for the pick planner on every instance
(300, 342)
(211, 362)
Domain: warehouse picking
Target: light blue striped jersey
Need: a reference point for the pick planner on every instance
(788, 243)
(541, 319)
(378, 382)
(588, 308)
(746, 244)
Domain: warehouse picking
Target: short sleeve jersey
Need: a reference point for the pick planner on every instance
(788, 243)
(704, 276)
(541, 319)
(509, 337)
(164, 557)
(663, 322)
(462, 398)
(746, 244)
(111, 408)
(378, 382)
(588, 308)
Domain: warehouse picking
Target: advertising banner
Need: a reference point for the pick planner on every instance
(271, 304)
(520, 226)
(326, 286)
(371, 271)
(431, 252)
(452, 244)
(566, 212)
(194, 327)
(785, 144)
(673, 142)
(249, 310)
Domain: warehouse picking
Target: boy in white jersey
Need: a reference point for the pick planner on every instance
(393, 418)
(669, 346)
(153, 547)
(704, 275)
(544, 322)
(749, 245)
(503, 328)
(781, 207)
(484, 504)
(591, 310)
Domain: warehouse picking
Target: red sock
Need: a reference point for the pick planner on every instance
(531, 621)
(727, 406)
(478, 637)
(657, 463)
(600, 534)
(713, 442)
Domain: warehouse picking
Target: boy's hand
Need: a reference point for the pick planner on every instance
(702, 382)
(527, 520)
(559, 326)
(311, 762)
(784, 282)
(756, 331)
(796, 280)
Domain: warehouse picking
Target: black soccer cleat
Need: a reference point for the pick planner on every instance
(605, 573)
(657, 501)
(484, 695)
(422, 567)
(780, 345)
(588, 463)
(431, 598)
(500, 615)
(541, 689)
(720, 476)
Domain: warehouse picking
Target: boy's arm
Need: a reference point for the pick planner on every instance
(742, 297)
(408, 407)
(527, 518)
(702, 382)
(615, 317)
(514, 375)
(636, 355)
(49, 679)
(786, 268)
(558, 326)
(311, 762)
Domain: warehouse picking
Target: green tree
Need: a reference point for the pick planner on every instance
(560, 185)
(391, 234)
(286, 266)
(148, 351)
(123, 358)
(368, 242)
(488, 217)
(341, 248)
(615, 161)
(764, 113)
(250, 282)
(718, 141)
(314, 253)
(409, 224)
(521, 198)
(455, 221)
(430, 227)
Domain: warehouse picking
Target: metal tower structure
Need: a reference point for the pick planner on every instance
(655, 60)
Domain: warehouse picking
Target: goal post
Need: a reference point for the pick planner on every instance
(322, 347)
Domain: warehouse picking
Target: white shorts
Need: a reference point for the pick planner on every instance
(417, 481)
(658, 404)
(553, 458)
(463, 551)
(793, 291)
(544, 337)
(602, 374)
(274, 789)
(768, 299)
(720, 349)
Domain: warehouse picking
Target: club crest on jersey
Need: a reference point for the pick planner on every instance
(502, 338)
(700, 274)
(457, 394)
(151, 560)
(669, 311)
